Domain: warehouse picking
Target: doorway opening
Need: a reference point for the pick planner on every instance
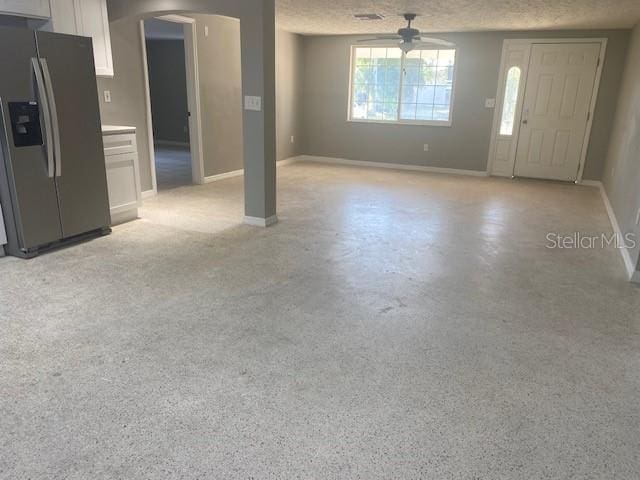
(170, 63)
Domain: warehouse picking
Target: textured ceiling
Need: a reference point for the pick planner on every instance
(318, 17)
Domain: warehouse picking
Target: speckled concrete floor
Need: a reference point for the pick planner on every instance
(392, 325)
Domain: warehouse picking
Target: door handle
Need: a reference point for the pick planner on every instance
(44, 104)
(54, 114)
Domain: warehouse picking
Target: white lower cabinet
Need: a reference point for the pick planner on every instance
(123, 176)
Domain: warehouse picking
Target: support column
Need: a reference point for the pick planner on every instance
(258, 36)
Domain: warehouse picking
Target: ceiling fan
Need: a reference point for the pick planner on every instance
(410, 38)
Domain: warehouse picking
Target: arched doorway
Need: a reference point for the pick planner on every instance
(257, 31)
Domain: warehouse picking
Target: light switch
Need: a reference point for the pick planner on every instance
(490, 103)
(107, 96)
(426, 147)
(253, 103)
(206, 30)
(293, 139)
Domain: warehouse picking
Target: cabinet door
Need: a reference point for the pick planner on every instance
(30, 9)
(63, 17)
(92, 21)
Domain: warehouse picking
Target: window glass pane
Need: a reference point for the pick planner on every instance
(424, 112)
(414, 55)
(377, 94)
(390, 111)
(426, 94)
(364, 75)
(392, 76)
(359, 111)
(412, 75)
(363, 56)
(409, 94)
(394, 53)
(510, 101)
(378, 53)
(446, 58)
(442, 95)
(429, 58)
(408, 111)
(391, 93)
(443, 75)
(429, 75)
(441, 113)
(389, 85)
(374, 111)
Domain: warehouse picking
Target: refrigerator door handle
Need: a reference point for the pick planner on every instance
(44, 103)
(54, 114)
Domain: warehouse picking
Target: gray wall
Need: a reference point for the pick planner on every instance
(289, 94)
(127, 88)
(168, 88)
(622, 170)
(221, 92)
(464, 145)
(258, 36)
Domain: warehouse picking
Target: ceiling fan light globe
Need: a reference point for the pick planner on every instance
(406, 47)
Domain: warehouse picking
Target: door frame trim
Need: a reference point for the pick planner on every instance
(193, 98)
(497, 114)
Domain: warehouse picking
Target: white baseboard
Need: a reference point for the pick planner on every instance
(261, 222)
(392, 166)
(149, 193)
(237, 173)
(634, 276)
(223, 176)
(169, 143)
(124, 217)
(592, 183)
(288, 161)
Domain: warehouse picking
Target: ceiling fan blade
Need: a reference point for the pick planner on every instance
(435, 41)
(381, 38)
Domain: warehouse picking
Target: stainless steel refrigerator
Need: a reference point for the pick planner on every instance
(53, 184)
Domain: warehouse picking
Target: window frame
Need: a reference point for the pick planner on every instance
(429, 123)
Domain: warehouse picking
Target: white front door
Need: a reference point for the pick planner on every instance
(555, 111)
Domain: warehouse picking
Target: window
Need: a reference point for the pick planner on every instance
(510, 101)
(389, 86)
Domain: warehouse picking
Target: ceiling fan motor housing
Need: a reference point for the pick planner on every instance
(409, 33)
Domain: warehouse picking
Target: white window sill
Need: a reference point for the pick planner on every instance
(415, 123)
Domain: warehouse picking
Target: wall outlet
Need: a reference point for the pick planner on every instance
(293, 139)
(253, 103)
(490, 103)
(426, 147)
(107, 96)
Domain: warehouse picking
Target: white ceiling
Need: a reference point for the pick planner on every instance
(318, 17)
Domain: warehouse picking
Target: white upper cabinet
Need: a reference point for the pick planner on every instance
(88, 18)
(26, 8)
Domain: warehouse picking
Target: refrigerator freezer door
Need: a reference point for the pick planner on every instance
(28, 193)
(81, 177)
